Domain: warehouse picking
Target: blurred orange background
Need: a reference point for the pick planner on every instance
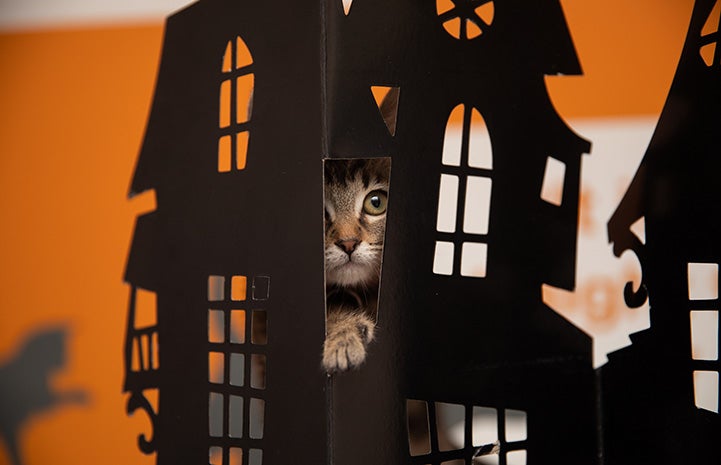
(74, 102)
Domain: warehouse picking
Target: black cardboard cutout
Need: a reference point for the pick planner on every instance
(442, 338)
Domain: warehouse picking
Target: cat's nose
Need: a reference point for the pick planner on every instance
(348, 245)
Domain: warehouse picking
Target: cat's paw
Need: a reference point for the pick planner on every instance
(347, 338)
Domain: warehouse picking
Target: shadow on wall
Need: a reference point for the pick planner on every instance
(24, 385)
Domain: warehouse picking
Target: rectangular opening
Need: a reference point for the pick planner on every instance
(238, 288)
(706, 390)
(255, 457)
(356, 199)
(447, 203)
(485, 426)
(216, 367)
(216, 326)
(235, 456)
(257, 418)
(216, 288)
(237, 326)
(473, 259)
(553, 181)
(443, 258)
(419, 436)
(702, 281)
(215, 455)
(224, 116)
(516, 425)
(450, 418)
(477, 210)
(261, 287)
(146, 308)
(235, 417)
(704, 334)
(237, 369)
(215, 414)
(259, 328)
(257, 371)
(516, 457)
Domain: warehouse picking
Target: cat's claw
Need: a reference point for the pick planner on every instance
(348, 335)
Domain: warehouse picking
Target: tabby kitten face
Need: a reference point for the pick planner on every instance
(356, 196)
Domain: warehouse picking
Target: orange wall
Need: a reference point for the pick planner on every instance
(73, 108)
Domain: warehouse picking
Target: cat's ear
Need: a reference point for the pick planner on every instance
(389, 108)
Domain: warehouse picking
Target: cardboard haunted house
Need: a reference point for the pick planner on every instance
(251, 97)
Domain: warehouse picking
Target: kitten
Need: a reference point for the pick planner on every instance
(356, 198)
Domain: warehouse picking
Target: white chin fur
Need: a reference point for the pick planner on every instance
(361, 269)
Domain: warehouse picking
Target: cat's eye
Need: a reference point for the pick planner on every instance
(375, 203)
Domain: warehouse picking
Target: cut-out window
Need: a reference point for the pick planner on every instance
(469, 195)
(702, 281)
(638, 228)
(232, 413)
(453, 138)
(215, 455)
(216, 288)
(238, 288)
(235, 456)
(447, 203)
(419, 436)
(706, 390)
(478, 205)
(473, 259)
(235, 106)
(387, 102)
(255, 457)
(259, 328)
(346, 6)
(465, 19)
(445, 415)
(216, 367)
(485, 426)
(257, 371)
(553, 181)
(216, 326)
(235, 417)
(257, 418)
(497, 435)
(480, 151)
(516, 425)
(146, 308)
(237, 326)
(215, 415)
(443, 258)
(704, 335)
(261, 288)
(237, 369)
(516, 457)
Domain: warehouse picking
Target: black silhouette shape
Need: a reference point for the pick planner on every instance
(24, 385)
(653, 409)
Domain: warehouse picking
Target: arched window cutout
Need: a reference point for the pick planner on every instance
(480, 151)
(235, 106)
(386, 99)
(466, 145)
(452, 138)
(346, 6)
(465, 19)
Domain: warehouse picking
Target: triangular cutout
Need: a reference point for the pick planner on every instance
(712, 22)
(346, 6)
(387, 101)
